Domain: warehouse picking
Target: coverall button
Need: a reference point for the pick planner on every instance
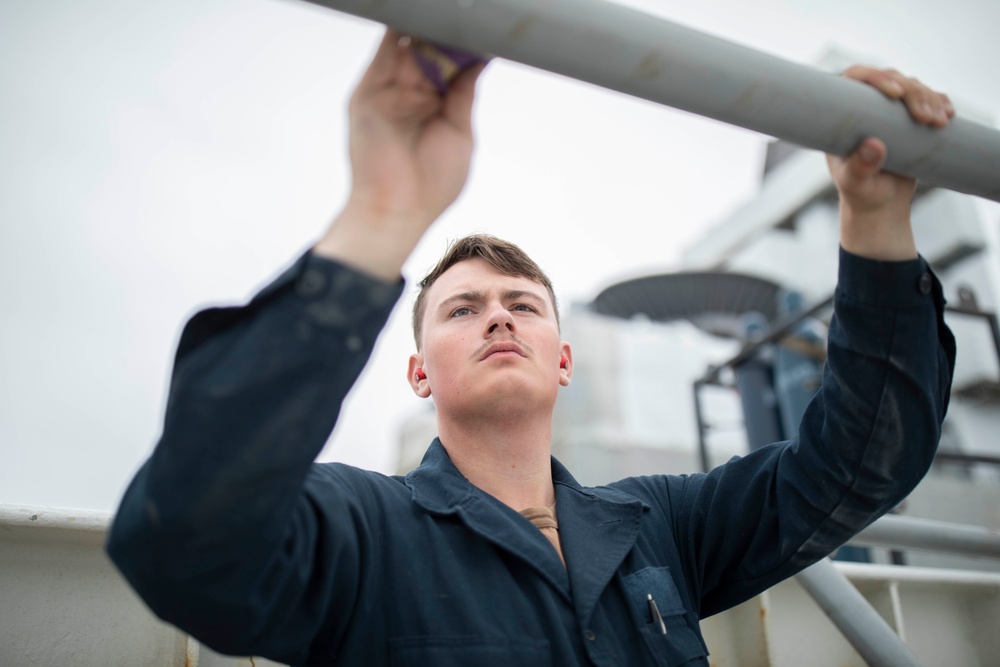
(589, 634)
(925, 283)
(311, 283)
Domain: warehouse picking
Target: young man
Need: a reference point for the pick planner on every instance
(490, 553)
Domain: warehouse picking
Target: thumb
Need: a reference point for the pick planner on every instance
(867, 160)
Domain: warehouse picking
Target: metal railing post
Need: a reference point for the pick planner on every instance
(642, 55)
(701, 426)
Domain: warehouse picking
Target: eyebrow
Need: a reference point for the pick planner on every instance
(479, 296)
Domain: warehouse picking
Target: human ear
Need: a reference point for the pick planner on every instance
(417, 377)
(565, 369)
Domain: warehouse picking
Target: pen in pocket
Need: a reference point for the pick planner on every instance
(654, 612)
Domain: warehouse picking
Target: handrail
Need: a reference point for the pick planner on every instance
(927, 534)
(860, 624)
(642, 55)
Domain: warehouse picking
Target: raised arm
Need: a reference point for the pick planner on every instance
(869, 435)
(219, 532)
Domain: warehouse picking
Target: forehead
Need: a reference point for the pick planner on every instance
(477, 274)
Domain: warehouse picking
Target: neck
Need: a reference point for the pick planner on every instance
(508, 460)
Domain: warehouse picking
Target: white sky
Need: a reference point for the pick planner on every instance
(157, 157)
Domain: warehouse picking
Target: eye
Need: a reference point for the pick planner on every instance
(461, 311)
(524, 308)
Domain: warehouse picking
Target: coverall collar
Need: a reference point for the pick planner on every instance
(597, 526)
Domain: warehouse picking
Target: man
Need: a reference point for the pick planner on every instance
(232, 533)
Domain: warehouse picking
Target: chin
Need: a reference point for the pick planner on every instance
(511, 396)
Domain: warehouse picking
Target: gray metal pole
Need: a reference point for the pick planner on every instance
(860, 624)
(632, 52)
(913, 533)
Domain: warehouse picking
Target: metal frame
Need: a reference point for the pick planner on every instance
(856, 619)
(642, 55)
(711, 376)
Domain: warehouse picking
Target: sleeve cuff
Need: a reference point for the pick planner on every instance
(334, 294)
(339, 295)
(871, 282)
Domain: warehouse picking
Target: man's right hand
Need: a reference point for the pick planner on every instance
(410, 154)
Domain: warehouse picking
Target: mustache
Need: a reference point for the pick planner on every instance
(511, 339)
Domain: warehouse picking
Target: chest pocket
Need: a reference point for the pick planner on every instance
(466, 650)
(680, 645)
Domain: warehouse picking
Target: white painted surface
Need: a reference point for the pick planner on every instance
(64, 604)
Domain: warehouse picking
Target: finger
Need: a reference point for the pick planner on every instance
(919, 103)
(460, 96)
(943, 109)
(408, 73)
(925, 105)
(383, 63)
(888, 82)
(949, 108)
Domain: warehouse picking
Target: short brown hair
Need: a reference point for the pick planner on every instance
(502, 255)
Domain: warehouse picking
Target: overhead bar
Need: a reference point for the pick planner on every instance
(638, 54)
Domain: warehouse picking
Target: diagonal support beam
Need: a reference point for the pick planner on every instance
(634, 53)
(869, 634)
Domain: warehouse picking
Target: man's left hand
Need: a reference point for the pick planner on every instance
(875, 205)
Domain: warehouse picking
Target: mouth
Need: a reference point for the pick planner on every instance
(505, 349)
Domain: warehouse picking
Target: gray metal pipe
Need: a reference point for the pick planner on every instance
(860, 624)
(914, 533)
(632, 52)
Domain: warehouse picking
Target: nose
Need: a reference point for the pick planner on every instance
(499, 317)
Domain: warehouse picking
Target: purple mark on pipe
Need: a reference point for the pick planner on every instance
(441, 64)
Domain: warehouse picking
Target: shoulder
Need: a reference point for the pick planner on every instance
(739, 474)
(654, 490)
(356, 485)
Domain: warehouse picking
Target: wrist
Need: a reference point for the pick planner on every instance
(883, 234)
(387, 209)
(375, 241)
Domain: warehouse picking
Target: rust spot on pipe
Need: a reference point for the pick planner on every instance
(650, 67)
(747, 95)
(845, 125)
(520, 28)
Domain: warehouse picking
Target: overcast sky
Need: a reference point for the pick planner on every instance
(158, 157)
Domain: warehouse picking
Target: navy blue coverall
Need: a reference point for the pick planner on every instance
(231, 532)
